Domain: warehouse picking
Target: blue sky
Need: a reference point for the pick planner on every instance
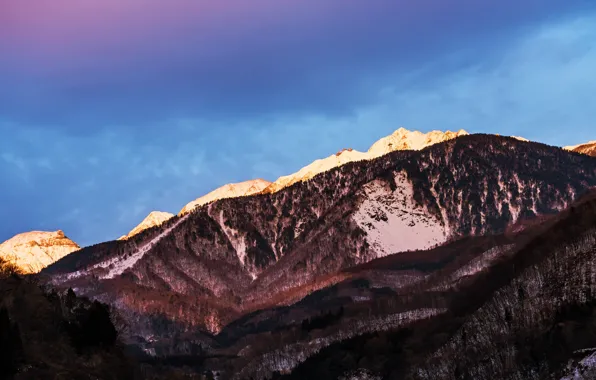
(112, 109)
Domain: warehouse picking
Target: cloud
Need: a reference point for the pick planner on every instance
(103, 148)
(124, 64)
(542, 87)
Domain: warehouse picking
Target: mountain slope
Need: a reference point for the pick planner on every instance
(528, 315)
(235, 256)
(155, 218)
(35, 250)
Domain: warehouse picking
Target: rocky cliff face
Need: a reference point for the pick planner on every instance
(204, 269)
(33, 251)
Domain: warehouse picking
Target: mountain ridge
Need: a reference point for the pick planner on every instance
(400, 139)
(236, 255)
(588, 148)
(230, 190)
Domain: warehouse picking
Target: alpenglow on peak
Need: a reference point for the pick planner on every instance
(401, 139)
(35, 250)
(155, 218)
(231, 190)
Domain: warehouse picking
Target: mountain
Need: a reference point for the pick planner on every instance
(523, 309)
(588, 148)
(401, 139)
(231, 190)
(180, 284)
(33, 251)
(155, 218)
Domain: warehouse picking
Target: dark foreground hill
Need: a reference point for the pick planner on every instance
(50, 335)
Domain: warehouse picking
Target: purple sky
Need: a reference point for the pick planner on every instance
(110, 109)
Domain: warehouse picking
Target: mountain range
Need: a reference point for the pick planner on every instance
(430, 256)
(188, 282)
(401, 139)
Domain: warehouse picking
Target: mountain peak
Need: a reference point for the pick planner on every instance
(230, 190)
(155, 218)
(588, 148)
(35, 250)
(404, 139)
(400, 139)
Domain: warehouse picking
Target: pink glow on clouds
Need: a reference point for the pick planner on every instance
(58, 37)
(80, 21)
(67, 34)
(58, 27)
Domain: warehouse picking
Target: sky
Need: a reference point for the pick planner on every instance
(110, 109)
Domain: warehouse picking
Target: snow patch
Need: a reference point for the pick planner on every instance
(235, 238)
(121, 264)
(394, 222)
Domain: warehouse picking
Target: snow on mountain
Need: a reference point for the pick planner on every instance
(574, 147)
(231, 190)
(394, 222)
(35, 250)
(319, 166)
(588, 148)
(118, 264)
(155, 218)
(401, 139)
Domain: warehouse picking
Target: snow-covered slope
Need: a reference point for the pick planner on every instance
(394, 222)
(588, 148)
(117, 265)
(401, 139)
(231, 190)
(33, 251)
(155, 218)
